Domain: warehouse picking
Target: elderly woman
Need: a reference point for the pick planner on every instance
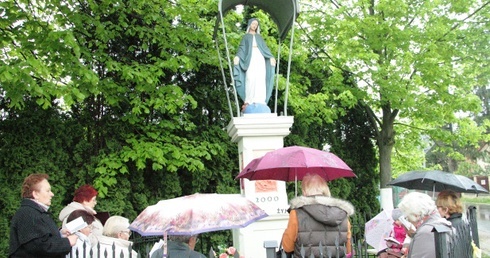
(116, 232)
(85, 198)
(316, 218)
(422, 212)
(33, 233)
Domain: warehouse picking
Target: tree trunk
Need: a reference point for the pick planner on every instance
(386, 141)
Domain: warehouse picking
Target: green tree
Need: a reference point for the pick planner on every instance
(118, 71)
(414, 63)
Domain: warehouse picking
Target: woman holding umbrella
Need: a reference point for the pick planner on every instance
(307, 221)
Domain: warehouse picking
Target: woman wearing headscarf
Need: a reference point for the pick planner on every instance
(254, 70)
(33, 233)
(317, 219)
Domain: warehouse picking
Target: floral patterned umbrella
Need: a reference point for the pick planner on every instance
(197, 213)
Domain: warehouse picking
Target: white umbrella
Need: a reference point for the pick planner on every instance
(379, 228)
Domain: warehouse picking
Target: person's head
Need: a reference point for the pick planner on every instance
(86, 195)
(395, 215)
(117, 227)
(448, 202)
(86, 216)
(253, 26)
(37, 187)
(416, 206)
(314, 184)
(190, 240)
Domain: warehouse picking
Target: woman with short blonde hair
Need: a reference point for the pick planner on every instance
(317, 219)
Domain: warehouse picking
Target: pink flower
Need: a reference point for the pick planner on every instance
(223, 255)
(231, 250)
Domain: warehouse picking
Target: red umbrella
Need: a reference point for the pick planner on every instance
(293, 163)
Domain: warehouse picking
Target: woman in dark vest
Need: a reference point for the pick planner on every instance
(317, 219)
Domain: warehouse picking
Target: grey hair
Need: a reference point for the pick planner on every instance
(115, 225)
(417, 205)
(182, 239)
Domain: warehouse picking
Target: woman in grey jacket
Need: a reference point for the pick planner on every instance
(422, 212)
(317, 219)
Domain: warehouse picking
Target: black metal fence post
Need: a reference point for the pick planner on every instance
(270, 248)
(441, 240)
(471, 213)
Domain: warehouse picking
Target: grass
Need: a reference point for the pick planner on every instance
(473, 199)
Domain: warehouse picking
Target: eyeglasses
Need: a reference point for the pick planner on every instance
(126, 232)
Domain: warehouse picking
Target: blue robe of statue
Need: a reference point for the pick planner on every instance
(245, 54)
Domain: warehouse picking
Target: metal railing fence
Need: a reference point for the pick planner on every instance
(454, 243)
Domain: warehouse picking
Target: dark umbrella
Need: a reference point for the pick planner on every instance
(437, 181)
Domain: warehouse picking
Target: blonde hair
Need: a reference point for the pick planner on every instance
(115, 225)
(314, 184)
(450, 200)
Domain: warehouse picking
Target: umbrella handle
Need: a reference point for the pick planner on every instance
(165, 244)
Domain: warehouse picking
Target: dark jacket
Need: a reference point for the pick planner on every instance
(322, 220)
(33, 233)
(456, 219)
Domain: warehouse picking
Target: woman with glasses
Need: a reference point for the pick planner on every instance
(450, 207)
(421, 211)
(83, 246)
(115, 233)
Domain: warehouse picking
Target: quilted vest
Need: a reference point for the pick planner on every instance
(311, 233)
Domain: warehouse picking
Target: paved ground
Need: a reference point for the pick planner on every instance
(483, 216)
(484, 233)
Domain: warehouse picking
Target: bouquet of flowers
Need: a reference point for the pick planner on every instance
(230, 252)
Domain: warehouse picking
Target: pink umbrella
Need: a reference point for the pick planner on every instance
(293, 163)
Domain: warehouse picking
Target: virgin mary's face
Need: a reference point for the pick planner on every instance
(253, 26)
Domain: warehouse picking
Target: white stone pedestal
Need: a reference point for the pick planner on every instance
(257, 134)
(386, 195)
